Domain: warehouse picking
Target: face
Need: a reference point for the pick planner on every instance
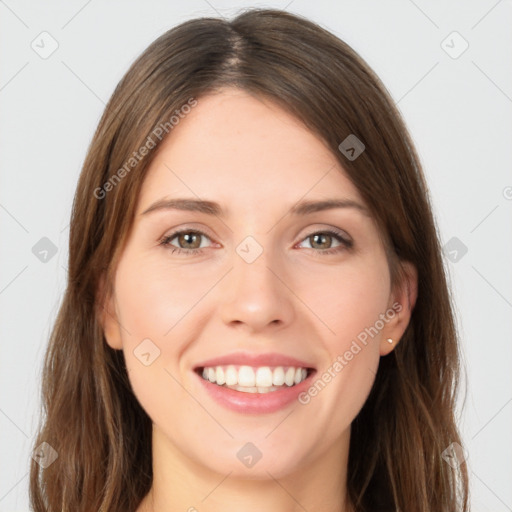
(254, 290)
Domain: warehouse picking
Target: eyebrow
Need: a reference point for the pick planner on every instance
(212, 208)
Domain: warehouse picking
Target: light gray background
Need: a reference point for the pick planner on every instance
(457, 109)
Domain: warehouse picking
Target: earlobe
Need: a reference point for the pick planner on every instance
(107, 316)
(406, 296)
(387, 345)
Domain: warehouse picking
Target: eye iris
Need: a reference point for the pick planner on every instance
(186, 238)
(320, 236)
(192, 240)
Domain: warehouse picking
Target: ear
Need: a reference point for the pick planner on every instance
(107, 315)
(404, 300)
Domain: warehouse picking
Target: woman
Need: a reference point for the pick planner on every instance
(300, 353)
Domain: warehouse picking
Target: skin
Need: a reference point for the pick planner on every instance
(245, 153)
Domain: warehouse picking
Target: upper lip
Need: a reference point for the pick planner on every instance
(248, 359)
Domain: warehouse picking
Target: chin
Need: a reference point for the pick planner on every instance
(248, 460)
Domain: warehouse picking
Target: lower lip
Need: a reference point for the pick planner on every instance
(256, 403)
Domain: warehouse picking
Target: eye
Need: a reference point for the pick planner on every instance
(191, 239)
(321, 239)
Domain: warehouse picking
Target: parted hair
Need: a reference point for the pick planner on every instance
(89, 414)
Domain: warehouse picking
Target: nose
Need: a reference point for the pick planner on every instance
(256, 295)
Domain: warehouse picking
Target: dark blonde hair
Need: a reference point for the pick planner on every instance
(90, 415)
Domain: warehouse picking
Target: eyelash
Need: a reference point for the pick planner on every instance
(345, 244)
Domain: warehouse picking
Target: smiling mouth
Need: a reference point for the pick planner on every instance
(249, 379)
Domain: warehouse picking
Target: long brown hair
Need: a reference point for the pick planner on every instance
(90, 416)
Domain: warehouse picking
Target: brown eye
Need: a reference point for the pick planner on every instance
(323, 240)
(189, 240)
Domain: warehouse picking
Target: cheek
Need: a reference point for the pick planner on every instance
(155, 297)
(152, 305)
(351, 305)
(348, 298)
(159, 308)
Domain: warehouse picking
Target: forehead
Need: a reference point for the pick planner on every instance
(245, 150)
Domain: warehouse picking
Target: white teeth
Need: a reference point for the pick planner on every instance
(254, 380)
(264, 376)
(246, 376)
(231, 376)
(253, 389)
(289, 377)
(219, 376)
(248, 389)
(278, 376)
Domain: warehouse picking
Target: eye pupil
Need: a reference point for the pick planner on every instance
(188, 237)
(191, 240)
(320, 236)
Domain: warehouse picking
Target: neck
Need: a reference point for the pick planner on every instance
(182, 484)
